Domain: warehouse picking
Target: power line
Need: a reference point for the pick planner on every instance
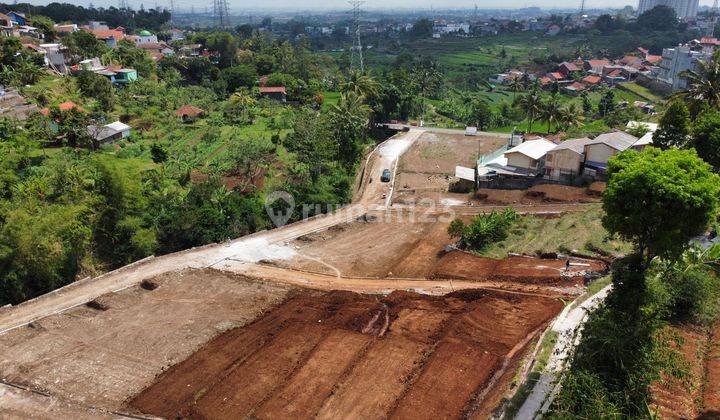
(220, 13)
(356, 56)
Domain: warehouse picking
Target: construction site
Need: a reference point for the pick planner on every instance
(368, 312)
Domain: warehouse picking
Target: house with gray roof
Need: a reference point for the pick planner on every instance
(600, 149)
(566, 159)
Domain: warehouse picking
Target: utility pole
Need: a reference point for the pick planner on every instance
(356, 56)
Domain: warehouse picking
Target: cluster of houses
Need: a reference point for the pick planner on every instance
(662, 73)
(526, 161)
(16, 24)
(574, 77)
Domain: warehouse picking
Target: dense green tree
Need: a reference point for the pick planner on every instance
(647, 191)
(99, 87)
(659, 18)
(607, 103)
(45, 25)
(422, 28)
(83, 45)
(706, 138)
(239, 76)
(127, 54)
(674, 127)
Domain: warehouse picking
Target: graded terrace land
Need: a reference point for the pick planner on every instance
(424, 171)
(342, 354)
(101, 353)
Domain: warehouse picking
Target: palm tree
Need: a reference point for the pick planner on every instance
(550, 111)
(570, 116)
(516, 85)
(531, 105)
(362, 84)
(703, 85)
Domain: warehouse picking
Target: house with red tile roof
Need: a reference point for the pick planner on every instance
(592, 80)
(567, 68)
(574, 88)
(274, 92)
(596, 65)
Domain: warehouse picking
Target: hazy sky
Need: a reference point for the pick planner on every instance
(244, 6)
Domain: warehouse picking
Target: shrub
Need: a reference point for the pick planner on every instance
(483, 229)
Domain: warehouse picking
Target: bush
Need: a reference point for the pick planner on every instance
(483, 230)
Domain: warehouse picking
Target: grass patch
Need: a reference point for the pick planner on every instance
(573, 231)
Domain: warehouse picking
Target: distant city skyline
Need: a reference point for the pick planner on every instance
(244, 7)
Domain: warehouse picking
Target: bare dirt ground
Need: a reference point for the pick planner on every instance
(424, 171)
(678, 397)
(521, 269)
(101, 353)
(544, 193)
(372, 248)
(341, 354)
(711, 386)
(696, 394)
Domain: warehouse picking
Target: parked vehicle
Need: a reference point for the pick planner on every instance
(385, 176)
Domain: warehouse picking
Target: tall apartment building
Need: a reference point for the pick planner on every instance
(675, 61)
(683, 8)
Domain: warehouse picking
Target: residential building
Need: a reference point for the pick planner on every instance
(274, 92)
(6, 25)
(574, 88)
(526, 158)
(63, 30)
(565, 160)
(110, 36)
(600, 149)
(683, 8)
(109, 132)
(592, 80)
(188, 113)
(644, 141)
(596, 66)
(18, 18)
(567, 68)
(674, 62)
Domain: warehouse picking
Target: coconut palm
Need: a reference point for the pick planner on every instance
(516, 85)
(531, 105)
(703, 85)
(362, 84)
(550, 111)
(570, 117)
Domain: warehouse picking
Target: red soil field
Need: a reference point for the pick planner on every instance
(711, 391)
(541, 193)
(522, 269)
(342, 354)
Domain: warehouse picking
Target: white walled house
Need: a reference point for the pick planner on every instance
(526, 157)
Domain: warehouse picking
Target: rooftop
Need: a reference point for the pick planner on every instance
(534, 149)
(618, 140)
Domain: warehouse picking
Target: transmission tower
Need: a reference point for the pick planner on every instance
(582, 7)
(220, 13)
(172, 12)
(356, 56)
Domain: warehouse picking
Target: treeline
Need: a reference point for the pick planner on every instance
(657, 28)
(150, 19)
(71, 207)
